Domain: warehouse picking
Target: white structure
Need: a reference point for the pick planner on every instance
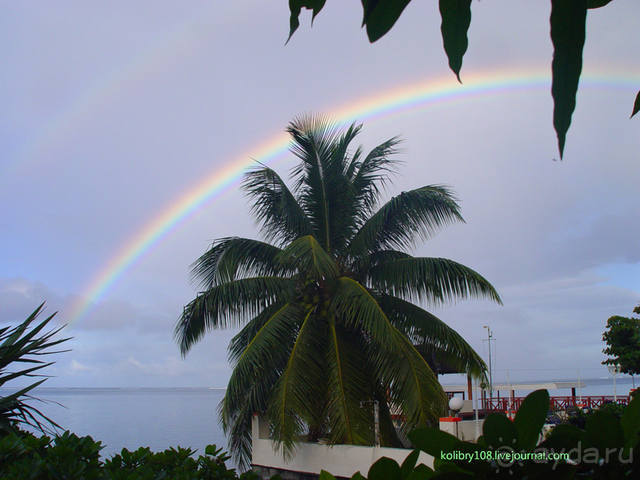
(311, 458)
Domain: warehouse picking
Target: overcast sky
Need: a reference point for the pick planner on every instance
(111, 111)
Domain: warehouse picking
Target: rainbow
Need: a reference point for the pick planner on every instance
(396, 100)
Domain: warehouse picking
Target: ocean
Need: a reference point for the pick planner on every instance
(158, 418)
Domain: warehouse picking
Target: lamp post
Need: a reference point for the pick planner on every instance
(489, 338)
(614, 370)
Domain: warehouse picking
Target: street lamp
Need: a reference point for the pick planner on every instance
(489, 337)
(614, 370)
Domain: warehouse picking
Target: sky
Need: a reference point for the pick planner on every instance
(113, 112)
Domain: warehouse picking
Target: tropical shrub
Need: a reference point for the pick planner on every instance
(24, 456)
(329, 326)
(24, 344)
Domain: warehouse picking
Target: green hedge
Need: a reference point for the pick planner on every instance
(23, 456)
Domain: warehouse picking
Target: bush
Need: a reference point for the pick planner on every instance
(24, 456)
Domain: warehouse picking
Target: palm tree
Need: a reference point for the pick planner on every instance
(325, 301)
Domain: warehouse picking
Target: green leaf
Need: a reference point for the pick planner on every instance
(295, 6)
(347, 420)
(432, 336)
(324, 475)
(308, 257)
(421, 472)
(385, 469)
(631, 422)
(568, 19)
(227, 305)
(358, 476)
(433, 441)
(436, 280)
(456, 18)
(297, 384)
(636, 105)
(409, 463)
(381, 15)
(416, 213)
(415, 390)
(274, 206)
(564, 437)
(499, 431)
(232, 257)
(603, 430)
(597, 3)
(530, 418)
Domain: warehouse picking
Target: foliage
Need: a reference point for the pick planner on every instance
(603, 449)
(622, 336)
(23, 344)
(568, 26)
(24, 456)
(327, 320)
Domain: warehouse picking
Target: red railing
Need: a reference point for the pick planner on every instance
(504, 404)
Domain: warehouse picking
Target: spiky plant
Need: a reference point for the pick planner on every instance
(23, 344)
(325, 307)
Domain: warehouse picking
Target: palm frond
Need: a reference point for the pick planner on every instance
(396, 362)
(416, 213)
(430, 335)
(228, 305)
(436, 280)
(413, 385)
(348, 389)
(298, 384)
(255, 375)
(277, 210)
(372, 174)
(361, 265)
(241, 340)
(233, 257)
(307, 255)
(313, 141)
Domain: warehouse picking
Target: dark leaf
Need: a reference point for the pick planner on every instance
(499, 431)
(597, 3)
(636, 105)
(421, 472)
(564, 437)
(295, 6)
(631, 422)
(568, 18)
(456, 18)
(433, 441)
(409, 463)
(381, 15)
(384, 469)
(530, 418)
(324, 475)
(604, 431)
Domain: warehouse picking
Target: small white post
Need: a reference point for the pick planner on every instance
(475, 408)
(376, 424)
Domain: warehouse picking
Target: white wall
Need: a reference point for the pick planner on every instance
(340, 460)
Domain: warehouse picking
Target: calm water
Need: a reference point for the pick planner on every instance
(131, 418)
